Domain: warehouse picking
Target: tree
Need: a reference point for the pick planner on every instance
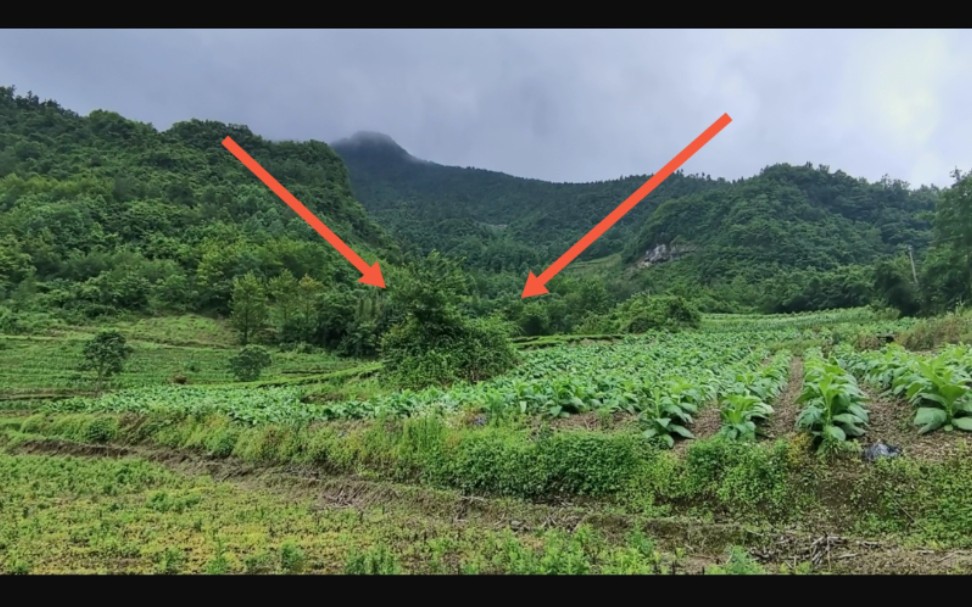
(284, 294)
(105, 354)
(248, 307)
(948, 275)
(437, 343)
(309, 293)
(646, 312)
(249, 362)
(895, 287)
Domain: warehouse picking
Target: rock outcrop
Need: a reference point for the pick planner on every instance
(663, 253)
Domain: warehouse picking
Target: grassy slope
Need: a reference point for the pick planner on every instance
(194, 347)
(133, 516)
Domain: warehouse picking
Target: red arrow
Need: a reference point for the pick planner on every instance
(370, 275)
(536, 285)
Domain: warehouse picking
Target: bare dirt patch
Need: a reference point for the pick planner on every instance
(52, 446)
(593, 420)
(704, 425)
(891, 422)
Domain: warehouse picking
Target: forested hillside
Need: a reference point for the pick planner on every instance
(496, 221)
(101, 214)
(801, 227)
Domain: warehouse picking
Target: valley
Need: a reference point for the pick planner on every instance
(743, 377)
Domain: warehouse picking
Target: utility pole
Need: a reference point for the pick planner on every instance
(914, 274)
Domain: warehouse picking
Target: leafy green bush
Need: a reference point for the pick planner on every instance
(588, 463)
(375, 561)
(436, 343)
(496, 461)
(473, 350)
(292, 558)
(100, 430)
(249, 363)
(739, 562)
(665, 312)
(746, 478)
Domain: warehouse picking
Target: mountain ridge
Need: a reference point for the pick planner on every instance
(785, 218)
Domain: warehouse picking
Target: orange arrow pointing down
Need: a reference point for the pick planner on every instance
(370, 275)
(537, 285)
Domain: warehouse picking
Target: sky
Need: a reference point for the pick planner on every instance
(559, 105)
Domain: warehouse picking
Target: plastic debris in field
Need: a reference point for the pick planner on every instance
(879, 450)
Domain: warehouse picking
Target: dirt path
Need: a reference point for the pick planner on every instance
(705, 424)
(785, 409)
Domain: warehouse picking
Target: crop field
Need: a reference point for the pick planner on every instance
(632, 377)
(754, 424)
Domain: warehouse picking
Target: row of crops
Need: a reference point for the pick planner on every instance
(938, 386)
(745, 404)
(858, 318)
(30, 365)
(835, 407)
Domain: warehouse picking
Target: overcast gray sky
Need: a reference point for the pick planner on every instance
(561, 105)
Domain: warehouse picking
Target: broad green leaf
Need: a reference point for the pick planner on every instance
(951, 392)
(847, 418)
(964, 405)
(835, 433)
(681, 431)
(930, 416)
(963, 423)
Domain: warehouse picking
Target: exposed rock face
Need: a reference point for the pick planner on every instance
(662, 253)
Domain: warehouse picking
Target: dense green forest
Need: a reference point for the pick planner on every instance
(792, 238)
(101, 215)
